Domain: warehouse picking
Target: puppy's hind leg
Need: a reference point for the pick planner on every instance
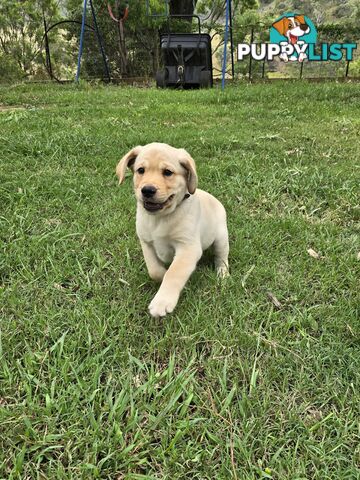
(221, 249)
(155, 268)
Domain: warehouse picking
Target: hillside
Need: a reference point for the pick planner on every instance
(320, 11)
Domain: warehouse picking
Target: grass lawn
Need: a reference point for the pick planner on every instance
(233, 384)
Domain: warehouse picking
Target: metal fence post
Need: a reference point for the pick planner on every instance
(250, 59)
(347, 68)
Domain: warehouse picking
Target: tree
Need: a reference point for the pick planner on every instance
(131, 52)
(182, 7)
(22, 30)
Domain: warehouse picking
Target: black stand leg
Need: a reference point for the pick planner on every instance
(47, 50)
(106, 66)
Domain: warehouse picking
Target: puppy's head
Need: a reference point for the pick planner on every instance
(292, 27)
(162, 176)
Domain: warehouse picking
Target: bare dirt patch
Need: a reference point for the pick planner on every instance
(7, 108)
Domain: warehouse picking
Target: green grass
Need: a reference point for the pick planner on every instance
(229, 385)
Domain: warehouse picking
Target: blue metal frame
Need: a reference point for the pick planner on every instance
(81, 41)
(227, 14)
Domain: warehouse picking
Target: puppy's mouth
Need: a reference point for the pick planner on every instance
(152, 206)
(293, 39)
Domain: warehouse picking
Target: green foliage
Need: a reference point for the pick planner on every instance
(355, 68)
(141, 38)
(9, 68)
(340, 32)
(320, 11)
(22, 29)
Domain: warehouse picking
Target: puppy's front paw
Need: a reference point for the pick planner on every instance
(161, 305)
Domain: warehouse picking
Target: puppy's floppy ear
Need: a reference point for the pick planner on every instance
(127, 161)
(188, 163)
(301, 19)
(281, 25)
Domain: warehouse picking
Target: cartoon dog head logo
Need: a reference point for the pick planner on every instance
(293, 29)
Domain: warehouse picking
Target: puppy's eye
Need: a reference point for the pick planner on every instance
(167, 173)
(141, 170)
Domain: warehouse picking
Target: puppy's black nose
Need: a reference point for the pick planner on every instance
(148, 191)
(304, 27)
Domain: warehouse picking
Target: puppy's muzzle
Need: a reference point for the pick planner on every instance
(152, 205)
(148, 191)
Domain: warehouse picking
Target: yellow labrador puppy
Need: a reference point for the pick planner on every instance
(175, 221)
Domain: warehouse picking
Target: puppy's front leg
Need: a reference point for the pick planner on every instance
(183, 265)
(155, 268)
